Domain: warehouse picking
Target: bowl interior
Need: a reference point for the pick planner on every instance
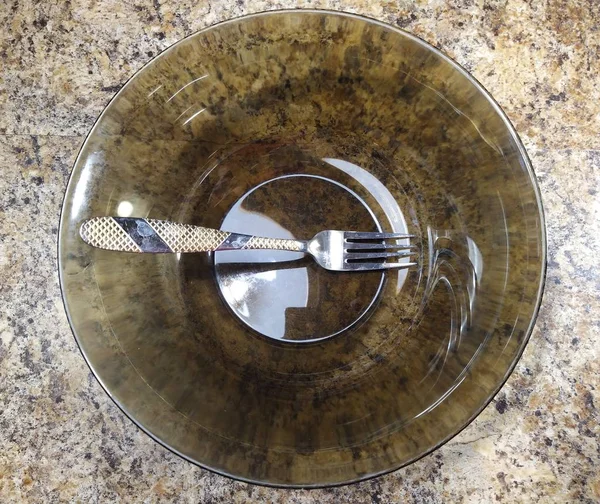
(264, 366)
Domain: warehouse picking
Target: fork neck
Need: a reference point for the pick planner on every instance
(296, 246)
(240, 241)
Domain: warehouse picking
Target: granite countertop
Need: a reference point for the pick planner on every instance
(63, 439)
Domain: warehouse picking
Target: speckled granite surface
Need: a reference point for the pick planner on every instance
(63, 439)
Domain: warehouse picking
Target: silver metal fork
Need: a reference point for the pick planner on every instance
(333, 250)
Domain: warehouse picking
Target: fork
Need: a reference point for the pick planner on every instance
(333, 250)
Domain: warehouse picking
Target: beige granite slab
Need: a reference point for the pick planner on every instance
(62, 439)
(62, 61)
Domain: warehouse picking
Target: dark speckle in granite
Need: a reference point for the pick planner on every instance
(501, 404)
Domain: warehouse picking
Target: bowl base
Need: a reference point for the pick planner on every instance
(285, 295)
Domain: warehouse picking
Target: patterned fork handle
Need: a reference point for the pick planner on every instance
(130, 234)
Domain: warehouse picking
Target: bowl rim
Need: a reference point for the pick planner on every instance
(522, 152)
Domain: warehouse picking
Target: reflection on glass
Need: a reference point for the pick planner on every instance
(125, 209)
(261, 299)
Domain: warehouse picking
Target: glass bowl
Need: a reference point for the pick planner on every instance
(260, 365)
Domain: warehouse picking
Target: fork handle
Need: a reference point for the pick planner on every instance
(131, 234)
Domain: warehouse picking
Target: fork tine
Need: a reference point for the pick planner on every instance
(377, 266)
(397, 265)
(377, 255)
(366, 246)
(357, 235)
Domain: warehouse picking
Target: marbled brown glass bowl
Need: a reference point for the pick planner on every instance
(267, 368)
